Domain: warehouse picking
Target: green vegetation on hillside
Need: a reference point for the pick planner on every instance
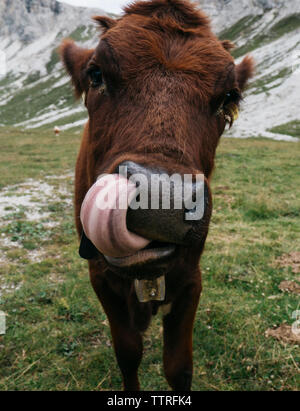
(244, 27)
(285, 25)
(83, 33)
(241, 28)
(292, 129)
(54, 59)
(268, 82)
(27, 102)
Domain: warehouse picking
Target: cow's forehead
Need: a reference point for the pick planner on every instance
(141, 42)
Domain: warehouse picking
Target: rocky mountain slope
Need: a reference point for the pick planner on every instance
(36, 93)
(270, 31)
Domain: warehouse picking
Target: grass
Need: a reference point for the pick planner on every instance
(36, 153)
(292, 129)
(58, 336)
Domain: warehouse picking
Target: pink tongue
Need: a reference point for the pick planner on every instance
(103, 217)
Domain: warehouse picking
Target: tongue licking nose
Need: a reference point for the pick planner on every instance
(103, 217)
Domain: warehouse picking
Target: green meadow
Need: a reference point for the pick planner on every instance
(57, 336)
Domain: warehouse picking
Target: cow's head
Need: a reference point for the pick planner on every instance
(159, 88)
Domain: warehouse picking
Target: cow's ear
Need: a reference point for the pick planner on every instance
(75, 60)
(244, 71)
(105, 22)
(228, 45)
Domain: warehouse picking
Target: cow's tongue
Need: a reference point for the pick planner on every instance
(103, 217)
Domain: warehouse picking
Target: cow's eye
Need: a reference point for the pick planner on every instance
(230, 106)
(234, 96)
(96, 78)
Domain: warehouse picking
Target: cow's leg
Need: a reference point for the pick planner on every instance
(127, 341)
(178, 339)
(128, 345)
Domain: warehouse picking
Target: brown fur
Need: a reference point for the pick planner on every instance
(166, 75)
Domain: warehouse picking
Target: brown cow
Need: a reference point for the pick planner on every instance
(159, 89)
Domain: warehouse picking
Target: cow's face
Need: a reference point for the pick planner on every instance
(159, 89)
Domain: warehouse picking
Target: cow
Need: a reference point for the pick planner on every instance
(56, 131)
(159, 89)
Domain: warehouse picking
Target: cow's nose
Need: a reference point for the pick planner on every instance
(124, 211)
(172, 208)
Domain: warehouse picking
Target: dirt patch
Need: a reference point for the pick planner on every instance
(9, 288)
(30, 199)
(290, 260)
(283, 333)
(32, 210)
(290, 287)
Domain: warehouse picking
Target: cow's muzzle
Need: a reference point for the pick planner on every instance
(139, 215)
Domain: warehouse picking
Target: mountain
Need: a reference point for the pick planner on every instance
(270, 31)
(36, 92)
